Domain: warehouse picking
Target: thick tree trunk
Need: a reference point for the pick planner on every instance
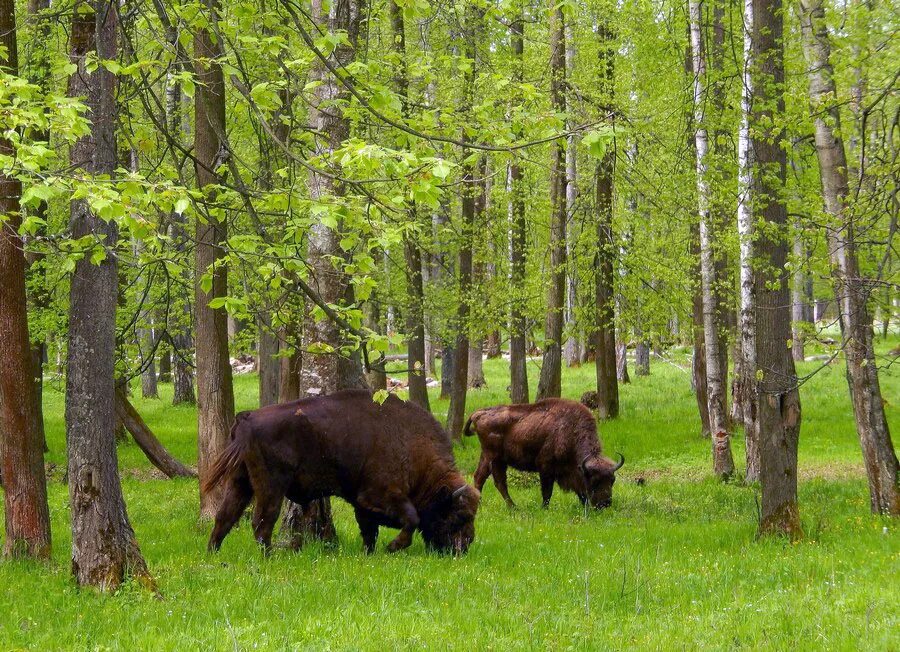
(778, 396)
(605, 334)
(21, 443)
(622, 363)
(161, 458)
(550, 381)
(183, 380)
(850, 288)
(448, 357)
(745, 372)
(518, 371)
(289, 369)
(269, 366)
(215, 393)
(642, 357)
(165, 365)
(326, 372)
(104, 548)
(716, 388)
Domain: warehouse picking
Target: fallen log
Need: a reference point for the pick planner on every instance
(161, 458)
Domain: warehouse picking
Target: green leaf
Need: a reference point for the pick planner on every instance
(380, 396)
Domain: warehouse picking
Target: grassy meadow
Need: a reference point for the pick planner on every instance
(673, 564)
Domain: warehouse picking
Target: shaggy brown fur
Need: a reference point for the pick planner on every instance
(555, 437)
(392, 462)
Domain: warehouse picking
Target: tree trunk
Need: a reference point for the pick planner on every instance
(798, 301)
(104, 548)
(476, 364)
(518, 371)
(36, 276)
(470, 187)
(149, 386)
(622, 363)
(215, 393)
(572, 350)
(289, 368)
(642, 358)
(549, 383)
(716, 392)
(778, 396)
(161, 458)
(448, 356)
(165, 365)
(326, 372)
(269, 365)
(21, 443)
(183, 380)
(850, 288)
(605, 334)
(745, 381)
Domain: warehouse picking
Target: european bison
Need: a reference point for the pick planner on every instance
(555, 437)
(392, 462)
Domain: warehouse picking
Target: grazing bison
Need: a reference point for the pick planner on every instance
(555, 437)
(392, 462)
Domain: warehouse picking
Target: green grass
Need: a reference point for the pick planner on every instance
(672, 565)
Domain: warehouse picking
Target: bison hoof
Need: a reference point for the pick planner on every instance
(397, 545)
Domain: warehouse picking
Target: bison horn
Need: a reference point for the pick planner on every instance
(621, 462)
(459, 492)
(584, 464)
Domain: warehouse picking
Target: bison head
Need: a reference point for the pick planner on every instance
(449, 526)
(599, 476)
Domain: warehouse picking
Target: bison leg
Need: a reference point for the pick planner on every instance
(498, 470)
(546, 489)
(368, 528)
(482, 472)
(235, 499)
(268, 507)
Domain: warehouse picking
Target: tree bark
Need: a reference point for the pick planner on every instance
(457, 410)
(27, 517)
(745, 376)
(269, 365)
(550, 381)
(850, 288)
(104, 548)
(161, 458)
(605, 334)
(518, 371)
(476, 364)
(716, 392)
(289, 368)
(215, 393)
(622, 363)
(165, 365)
(572, 351)
(778, 396)
(329, 371)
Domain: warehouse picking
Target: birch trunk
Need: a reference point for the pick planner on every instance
(716, 395)
(850, 288)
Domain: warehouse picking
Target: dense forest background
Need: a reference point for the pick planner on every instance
(349, 191)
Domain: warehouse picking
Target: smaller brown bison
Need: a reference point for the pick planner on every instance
(392, 462)
(555, 437)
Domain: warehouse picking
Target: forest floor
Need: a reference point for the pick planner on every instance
(673, 564)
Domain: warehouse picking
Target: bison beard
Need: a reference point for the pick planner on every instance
(392, 462)
(555, 437)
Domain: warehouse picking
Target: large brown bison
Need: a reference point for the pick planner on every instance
(555, 437)
(392, 462)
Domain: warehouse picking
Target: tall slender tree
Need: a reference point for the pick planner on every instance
(777, 392)
(716, 394)
(550, 381)
(104, 548)
(26, 513)
(851, 289)
(605, 333)
(215, 393)
(517, 233)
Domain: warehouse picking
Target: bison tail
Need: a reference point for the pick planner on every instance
(467, 431)
(228, 460)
